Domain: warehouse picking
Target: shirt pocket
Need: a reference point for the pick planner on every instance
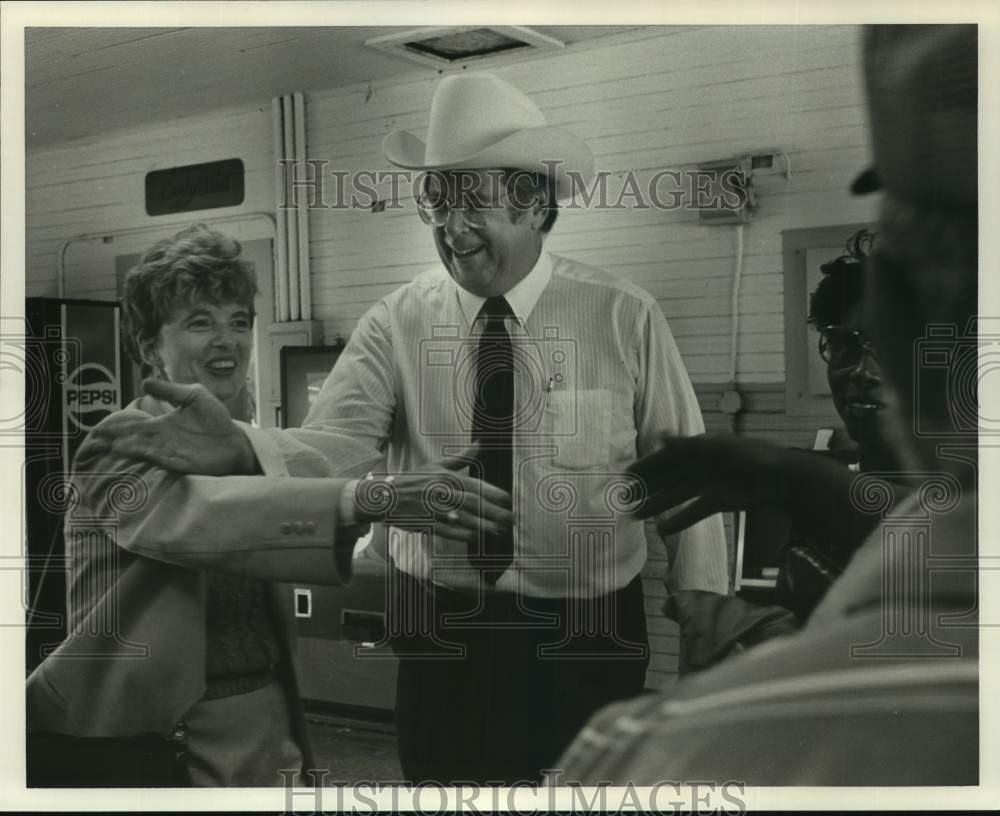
(577, 424)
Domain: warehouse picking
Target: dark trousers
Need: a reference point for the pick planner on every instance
(492, 687)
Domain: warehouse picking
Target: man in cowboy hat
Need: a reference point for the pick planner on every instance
(585, 369)
(881, 687)
(511, 628)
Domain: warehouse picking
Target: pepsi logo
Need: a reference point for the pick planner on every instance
(92, 393)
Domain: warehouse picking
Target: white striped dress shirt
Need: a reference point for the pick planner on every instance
(598, 378)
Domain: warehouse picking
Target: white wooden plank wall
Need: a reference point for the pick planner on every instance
(643, 104)
(98, 185)
(662, 101)
(646, 101)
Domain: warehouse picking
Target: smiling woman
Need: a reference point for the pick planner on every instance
(863, 401)
(207, 343)
(218, 668)
(189, 314)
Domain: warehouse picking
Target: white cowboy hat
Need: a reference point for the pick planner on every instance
(479, 121)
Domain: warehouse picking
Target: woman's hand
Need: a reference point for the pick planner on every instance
(198, 436)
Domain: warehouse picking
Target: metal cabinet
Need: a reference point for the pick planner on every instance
(343, 660)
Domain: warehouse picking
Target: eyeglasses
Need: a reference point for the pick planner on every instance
(435, 210)
(843, 348)
(437, 214)
(434, 206)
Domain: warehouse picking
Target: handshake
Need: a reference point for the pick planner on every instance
(200, 437)
(461, 507)
(684, 481)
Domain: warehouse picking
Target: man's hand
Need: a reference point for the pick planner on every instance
(708, 475)
(199, 436)
(459, 507)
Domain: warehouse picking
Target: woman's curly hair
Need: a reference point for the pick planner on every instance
(196, 263)
(843, 283)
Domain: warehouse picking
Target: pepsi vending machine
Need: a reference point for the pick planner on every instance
(73, 360)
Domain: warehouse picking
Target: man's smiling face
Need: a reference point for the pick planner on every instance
(491, 259)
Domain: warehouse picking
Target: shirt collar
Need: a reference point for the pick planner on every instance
(522, 298)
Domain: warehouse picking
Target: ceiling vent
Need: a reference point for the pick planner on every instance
(442, 46)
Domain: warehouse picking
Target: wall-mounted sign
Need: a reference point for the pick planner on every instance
(195, 187)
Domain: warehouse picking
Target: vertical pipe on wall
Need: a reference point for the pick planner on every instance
(734, 307)
(291, 214)
(305, 296)
(731, 400)
(280, 241)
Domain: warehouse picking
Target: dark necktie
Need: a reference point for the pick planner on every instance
(493, 428)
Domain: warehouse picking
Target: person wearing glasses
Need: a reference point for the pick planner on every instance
(715, 628)
(866, 404)
(515, 599)
(881, 687)
(860, 395)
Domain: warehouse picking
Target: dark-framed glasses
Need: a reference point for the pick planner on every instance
(841, 347)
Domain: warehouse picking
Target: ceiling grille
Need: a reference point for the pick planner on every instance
(449, 45)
